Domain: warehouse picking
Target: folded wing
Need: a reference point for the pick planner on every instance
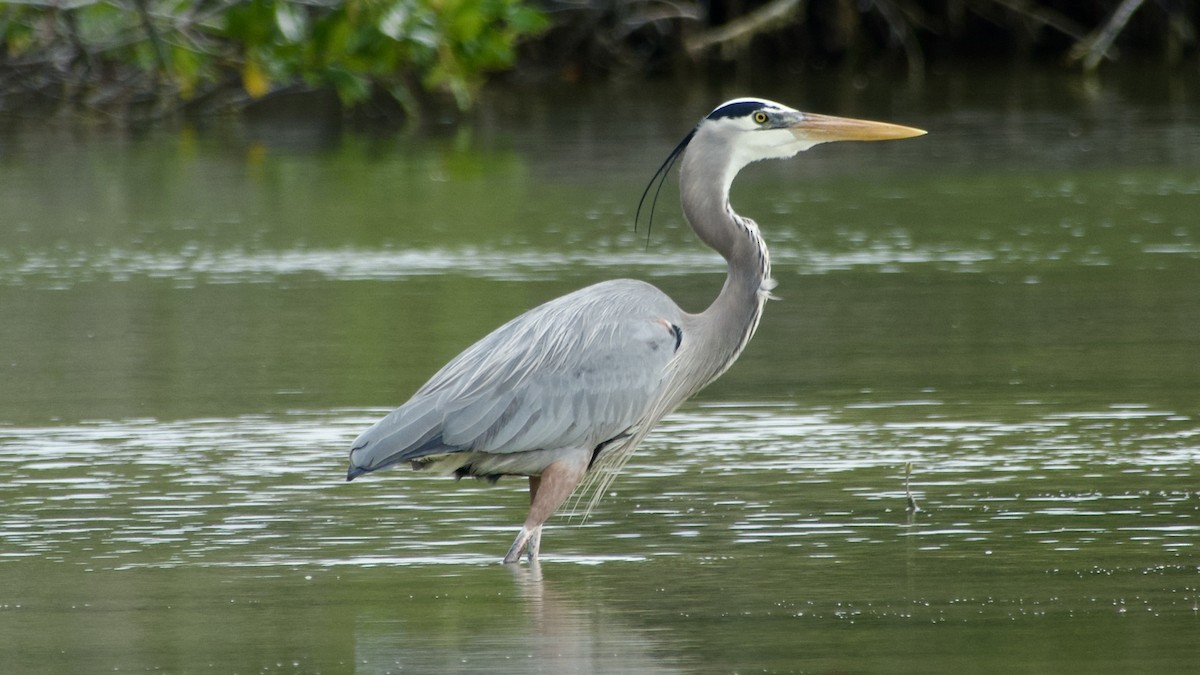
(573, 373)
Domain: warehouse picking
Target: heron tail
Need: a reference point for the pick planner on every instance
(407, 433)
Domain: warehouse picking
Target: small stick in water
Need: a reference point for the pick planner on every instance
(912, 503)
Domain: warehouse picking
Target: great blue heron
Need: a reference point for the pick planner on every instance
(567, 390)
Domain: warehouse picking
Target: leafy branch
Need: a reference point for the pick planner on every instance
(176, 51)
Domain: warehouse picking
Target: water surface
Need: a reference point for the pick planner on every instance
(197, 321)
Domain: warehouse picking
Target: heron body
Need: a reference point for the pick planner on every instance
(565, 392)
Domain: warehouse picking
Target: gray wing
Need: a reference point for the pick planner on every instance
(573, 373)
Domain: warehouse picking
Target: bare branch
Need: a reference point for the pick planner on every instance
(900, 29)
(1092, 49)
(1046, 16)
(769, 16)
(160, 56)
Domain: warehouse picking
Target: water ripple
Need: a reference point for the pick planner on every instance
(268, 491)
(192, 265)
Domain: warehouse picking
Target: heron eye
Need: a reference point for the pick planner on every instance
(760, 117)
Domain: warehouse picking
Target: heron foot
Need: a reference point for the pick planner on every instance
(547, 492)
(527, 539)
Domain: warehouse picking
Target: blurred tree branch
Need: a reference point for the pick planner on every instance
(1045, 16)
(738, 32)
(1090, 50)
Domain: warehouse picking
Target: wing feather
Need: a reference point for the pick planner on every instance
(474, 419)
(572, 373)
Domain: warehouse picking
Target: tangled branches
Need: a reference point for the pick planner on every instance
(1082, 33)
(154, 57)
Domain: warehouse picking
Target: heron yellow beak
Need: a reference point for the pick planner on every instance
(825, 128)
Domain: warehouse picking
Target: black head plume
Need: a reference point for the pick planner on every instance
(661, 176)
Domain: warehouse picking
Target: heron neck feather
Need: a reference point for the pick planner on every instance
(728, 323)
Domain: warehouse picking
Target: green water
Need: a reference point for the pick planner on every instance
(195, 323)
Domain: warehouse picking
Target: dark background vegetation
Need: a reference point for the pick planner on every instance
(138, 59)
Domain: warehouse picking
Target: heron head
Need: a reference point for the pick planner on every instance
(747, 130)
(759, 129)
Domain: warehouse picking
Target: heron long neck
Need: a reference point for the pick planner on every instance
(729, 322)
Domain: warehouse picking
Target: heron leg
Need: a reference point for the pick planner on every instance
(546, 493)
(525, 536)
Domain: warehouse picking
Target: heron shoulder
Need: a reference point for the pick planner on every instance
(591, 325)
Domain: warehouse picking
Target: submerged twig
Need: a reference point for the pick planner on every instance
(909, 499)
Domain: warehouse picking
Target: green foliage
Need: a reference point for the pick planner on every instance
(358, 47)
